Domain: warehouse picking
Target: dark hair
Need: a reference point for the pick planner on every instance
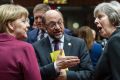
(6, 2)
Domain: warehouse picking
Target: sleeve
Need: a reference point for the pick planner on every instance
(114, 56)
(102, 68)
(29, 64)
(85, 66)
(108, 63)
(48, 71)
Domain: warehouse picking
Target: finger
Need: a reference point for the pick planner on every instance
(72, 62)
(71, 57)
(61, 51)
(59, 56)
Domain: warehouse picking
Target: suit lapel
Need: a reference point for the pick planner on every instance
(47, 47)
(67, 45)
(35, 34)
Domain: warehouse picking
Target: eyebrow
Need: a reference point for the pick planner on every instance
(57, 21)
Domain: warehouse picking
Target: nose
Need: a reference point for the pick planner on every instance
(39, 20)
(57, 26)
(96, 21)
(27, 24)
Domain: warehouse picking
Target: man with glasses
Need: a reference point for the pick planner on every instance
(72, 62)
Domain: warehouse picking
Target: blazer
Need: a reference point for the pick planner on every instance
(95, 53)
(32, 35)
(17, 60)
(108, 67)
(82, 71)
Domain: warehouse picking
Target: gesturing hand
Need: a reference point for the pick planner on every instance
(63, 62)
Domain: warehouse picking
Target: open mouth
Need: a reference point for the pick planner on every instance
(57, 33)
(99, 28)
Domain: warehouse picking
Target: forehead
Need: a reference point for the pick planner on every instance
(38, 13)
(99, 13)
(53, 16)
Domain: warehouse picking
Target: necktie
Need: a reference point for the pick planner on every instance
(42, 35)
(56, 45)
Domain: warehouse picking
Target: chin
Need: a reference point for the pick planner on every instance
(58, 37)
(104, 35)
(22, 37)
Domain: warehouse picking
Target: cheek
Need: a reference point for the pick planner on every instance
(20, 34)
(49, 31)
(20, 30)
(63, 28)
(35, 21)
(105, 21)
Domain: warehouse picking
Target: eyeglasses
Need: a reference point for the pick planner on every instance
(53, 24)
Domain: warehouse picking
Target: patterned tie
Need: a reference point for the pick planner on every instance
(56, 45)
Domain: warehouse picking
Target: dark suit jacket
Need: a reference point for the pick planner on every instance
(32, 35)
(108, 67)
(78, 48)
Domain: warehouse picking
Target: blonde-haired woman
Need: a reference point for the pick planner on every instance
(17, 58)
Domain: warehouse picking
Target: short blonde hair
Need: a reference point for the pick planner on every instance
(10, 12)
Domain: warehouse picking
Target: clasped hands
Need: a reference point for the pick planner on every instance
(64, 62)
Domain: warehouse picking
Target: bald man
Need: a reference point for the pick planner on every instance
(76, 59)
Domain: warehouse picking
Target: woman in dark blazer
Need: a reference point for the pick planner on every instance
(107, 19)
(17, 58)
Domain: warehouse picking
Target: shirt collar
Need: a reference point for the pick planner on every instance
(6, 37)
(40, 31)
(61, 40)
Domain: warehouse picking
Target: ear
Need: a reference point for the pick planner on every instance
(11, 25)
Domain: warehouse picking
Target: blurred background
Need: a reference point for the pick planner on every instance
(76, 13)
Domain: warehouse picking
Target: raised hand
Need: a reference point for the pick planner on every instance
(63, 62)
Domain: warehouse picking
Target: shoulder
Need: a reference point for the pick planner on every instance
(75, 41)
(72, 38)
(115, 35)
(40, 42)
(95, 44)
(22, 44)
(114, 38)
(33, 31)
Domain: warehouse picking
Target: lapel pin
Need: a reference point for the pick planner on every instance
(69, 44)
